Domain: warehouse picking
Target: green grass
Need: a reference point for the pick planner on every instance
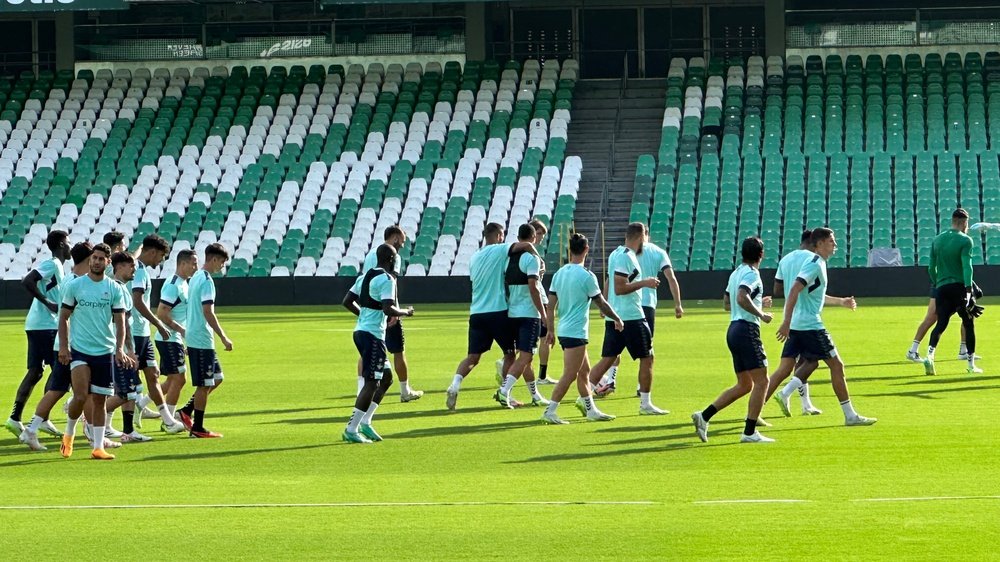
(288, 392)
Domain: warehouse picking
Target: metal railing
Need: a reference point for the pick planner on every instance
(35, 61)
(893, 27)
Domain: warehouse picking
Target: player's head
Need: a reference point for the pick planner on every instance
(100, 258)
(58, 243)
(394, 236)
(154, 249)
(823, 242)
(124, 266)
(493, 233)
(386, 256)
(526, 233)
(114, 240)
(81, 252)
(806, 241)
(540, 230)
(635, 236)
(752, 250)
(960, 219)
(187, 263)
(578, 245)
(216, 257)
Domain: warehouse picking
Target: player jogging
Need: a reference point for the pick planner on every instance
(59, 381)
(802, 328)
(97, 305)
(394, 338)
(950, 270)
(172, 312)
(488, 321)
(744, 299)
(127, 382)
(43, 284)
(202, 327)
(625, 283)
(573, 287)
(372, 299)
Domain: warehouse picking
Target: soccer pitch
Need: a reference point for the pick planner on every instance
(483, 482)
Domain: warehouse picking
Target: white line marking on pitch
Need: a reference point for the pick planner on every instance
(707, 502)
(928, 499)
(322, 505)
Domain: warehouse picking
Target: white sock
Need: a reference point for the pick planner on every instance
(508, 384)
(36, 424)
(930, 353)
(791, 387)
(962, 348)
(367, 418)
(915, 347)
(456, 382)
(551, 408)
(165, 413)
(172, 408)
(848, 409)
(644, 399)
(972, 361)
(612, 374)
(143, 401)
(361, 384)
(533, 389)
(107, 420)
(588, 403)
(97, 432)
(355, 421)
(71, 426)
(404, 387)
(804, 396)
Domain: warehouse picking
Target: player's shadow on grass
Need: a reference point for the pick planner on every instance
(404, 415)
(948, 379)
(619, 452)
(930, 394)
(465, 429)
(225, 454)
(33, 458)
(266, 412)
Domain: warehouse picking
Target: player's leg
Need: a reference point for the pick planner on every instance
(206, 376)
(40, 343)
(395, 343)
(527, 345)
(969, 326)
(930, 317)
(74, 411)
(823, 348)
(55, 388)
(755, 404)
(612, 347)
(174, 370)
(799, 382)
(949, 299)
(585, 403)
(101, 387)
(639, 342)
(366, 428)
(574, 352)
(373, 358)
(543, 358)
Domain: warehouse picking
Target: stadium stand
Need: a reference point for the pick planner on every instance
(295, 170)
(881, 150)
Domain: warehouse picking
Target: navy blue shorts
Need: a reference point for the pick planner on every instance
(127, 383)
(526, 333)
(373, 354)
(205, 368)
(636, 338)
(144, 352)
(40, 344)
(745, 345)
(488, 327)
(394, 339)
(811, 345)
(650, 313)
(171, 357)
(102, 370)
(60, 379)
(570, 343)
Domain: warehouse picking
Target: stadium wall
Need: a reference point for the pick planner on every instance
(696, 285)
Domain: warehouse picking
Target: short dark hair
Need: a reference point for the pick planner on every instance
(391, 231)
(120, 258)
(156, 242)
(384, 253)
(820, 234)
(103, 248)
(55, 239)
(525, 232)
(81, 252)
(538, 225)
(113, 238)
(635, 230)
(960, 214)
(752, 250)
(578, 244)
(186, 255)
(492, 229)
(216, 250)
(806, 236)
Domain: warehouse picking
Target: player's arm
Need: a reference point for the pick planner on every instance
(144, 311)
(122, 357)
(623, 287)
(30, 284)
(550, 319)
(64, 314)
(932, 267)
(779, 286)
(167, 319)
(536, 296)
(608, 312)
(793, 297)
(351, 303)
(520, 247)
(846, 302)
(746, 303)
(966, 256)
(727, 305)
(675, 290)
(208, 309)
(389, 308)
